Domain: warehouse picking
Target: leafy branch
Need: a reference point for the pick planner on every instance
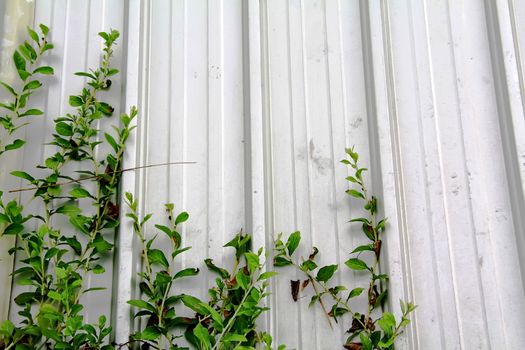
(25, 58)
(363, 324)
(55, 264)
(157, 279)
(228, 320)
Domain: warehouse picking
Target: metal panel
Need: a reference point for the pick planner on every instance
(265, 95)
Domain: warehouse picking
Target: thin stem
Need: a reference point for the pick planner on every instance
(97, 177)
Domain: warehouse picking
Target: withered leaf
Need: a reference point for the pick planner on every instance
(314, 253)
(377, 248)
(372, 295)
(357, 324)
(294, 286)
(353, 346)
(370, 324)
(113, 211)
(305, 284)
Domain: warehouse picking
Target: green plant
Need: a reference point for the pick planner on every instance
(157, 279)
(16, 111)
(363, 324)
(54, 261)
(227, 321)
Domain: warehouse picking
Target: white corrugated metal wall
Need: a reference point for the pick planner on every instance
(265, 95)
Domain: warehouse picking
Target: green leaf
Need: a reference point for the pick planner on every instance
(308, 265)
(64, 129)
(15, 145)
(84, 74)
(33, 35)
(365, 220)
(112, 141)
(7, 327)
(74, 244)
(242, 280)
(203, 337)
(156, 256)
(32, 85)
(186, 272)
(13, 229)
(182, 217)
(356, 264)
(79, 222)
(355, 193)
(20, 62)
(32, 53)
(165, 229)
(23, 75)
(25, 298)
(252, 260)
(150, 333)
(326, 272)
(354, 293)
(54, 295)
(101, 245)
(293, 242)
(79, 192)
(232, 337)
(366, 341)
(9, 88)
(75, 101)
(44, 70)
(44, 29)
(266, 275)
(280, 261)
(362, 248)
(212, 267)
(195, 304)
(25, 52)
(32, 111)
(141, 304)
(358, 173)
(352, 179)
(69, 210)
(179, 251)
(47, 47)
(23, 175)
(98, 269)
(387, 322)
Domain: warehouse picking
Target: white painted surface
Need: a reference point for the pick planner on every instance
(265, 95)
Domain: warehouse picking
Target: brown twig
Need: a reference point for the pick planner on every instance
(97, 176)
